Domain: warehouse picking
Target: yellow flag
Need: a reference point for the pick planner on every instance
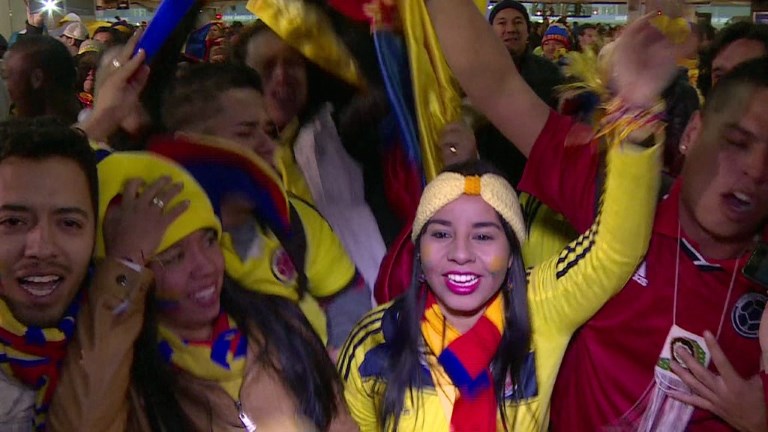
(306, 28)
(436, 93)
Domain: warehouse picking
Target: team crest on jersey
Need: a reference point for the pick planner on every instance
(747, 313)
(640, 275)
(282, 266)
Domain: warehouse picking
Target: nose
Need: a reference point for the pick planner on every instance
(461, 251)
(41, 242)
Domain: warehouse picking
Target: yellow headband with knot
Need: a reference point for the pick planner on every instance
(116, 169)
(449, 186)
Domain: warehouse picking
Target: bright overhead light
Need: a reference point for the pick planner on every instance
(51, 6)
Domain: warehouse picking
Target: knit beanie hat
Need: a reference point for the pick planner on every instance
(119, 167)
(559, 33)
(510, 4)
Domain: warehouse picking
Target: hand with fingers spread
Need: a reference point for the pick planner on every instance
(740, 402)
(119, 84)
(134, 228)
(644, 60)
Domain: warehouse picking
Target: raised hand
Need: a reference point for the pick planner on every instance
(134, 227)
(644, 60)
(119, 83)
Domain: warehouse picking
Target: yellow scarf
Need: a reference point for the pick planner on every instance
(221, 359)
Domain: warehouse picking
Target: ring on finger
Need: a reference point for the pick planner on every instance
(116, 63)
(158, 202)
(452, 149)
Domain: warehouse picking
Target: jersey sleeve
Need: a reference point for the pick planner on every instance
(564, 176)
(359, 391)
(328, 267)
(566, 290)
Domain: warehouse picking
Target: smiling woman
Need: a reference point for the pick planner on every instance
(204, 343)
(474, 344)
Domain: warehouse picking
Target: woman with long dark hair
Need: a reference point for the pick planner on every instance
(474, 345)
(206, 353)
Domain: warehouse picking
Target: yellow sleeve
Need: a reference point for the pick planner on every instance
(327, 265)
(360, 394)
(548, 231)
(565, 291)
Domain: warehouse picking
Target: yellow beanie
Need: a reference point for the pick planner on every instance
(493, 189)
(116, 169)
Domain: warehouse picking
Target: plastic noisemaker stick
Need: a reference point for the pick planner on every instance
(167, 18)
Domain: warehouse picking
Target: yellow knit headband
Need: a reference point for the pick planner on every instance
(493, 189)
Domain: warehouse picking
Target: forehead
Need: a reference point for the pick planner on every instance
(508, 14)
(738, 52)
(266, 45)
(747, 108)
(45, 184)
(242, 103)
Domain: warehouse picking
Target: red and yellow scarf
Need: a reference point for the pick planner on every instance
(33, 355)
(466, 358)
(220, 359)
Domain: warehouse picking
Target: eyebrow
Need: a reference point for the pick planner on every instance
(70, 210)
(735, 127)
(475, 225)
(58, 211)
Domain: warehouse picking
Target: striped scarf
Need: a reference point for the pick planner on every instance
(466, 358)
(33, 355)
(220, 359)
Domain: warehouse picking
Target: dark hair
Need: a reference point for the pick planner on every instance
(196, 92)
(118, 37)
(727, 36)
(321, 86)
(581, 28)
(43, 138)
(52, 58)
(750, 73)
(86, 62)
(287, 345)
(402, 376)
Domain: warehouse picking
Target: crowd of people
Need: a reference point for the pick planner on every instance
(195, 243)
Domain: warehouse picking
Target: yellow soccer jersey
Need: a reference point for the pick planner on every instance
(563, 293)
(548, 231)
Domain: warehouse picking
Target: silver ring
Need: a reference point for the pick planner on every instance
(452, 149)
(158, 202)
(116, 63)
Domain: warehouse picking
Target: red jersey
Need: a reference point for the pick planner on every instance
(610, 361)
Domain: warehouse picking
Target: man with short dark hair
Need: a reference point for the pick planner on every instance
(734, 45)
(48, 208)
(40, 74)
(108, 36)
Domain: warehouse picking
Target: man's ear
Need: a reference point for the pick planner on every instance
(691, 133)
(36, 79)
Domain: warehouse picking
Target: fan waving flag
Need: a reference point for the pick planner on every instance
(436, 96)
(307, 28)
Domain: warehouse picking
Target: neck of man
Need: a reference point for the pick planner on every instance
(709, 244)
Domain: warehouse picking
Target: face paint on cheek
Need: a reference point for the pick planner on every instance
(497, 264)
(167, 301)
(426, 253)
